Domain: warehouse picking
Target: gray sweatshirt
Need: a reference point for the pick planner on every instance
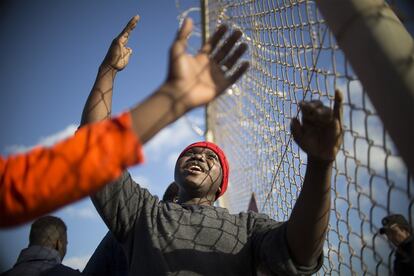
(163, 238)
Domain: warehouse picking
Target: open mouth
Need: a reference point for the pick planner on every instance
(194, 167)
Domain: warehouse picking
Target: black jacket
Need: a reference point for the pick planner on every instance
(404, 259)
(37, 260)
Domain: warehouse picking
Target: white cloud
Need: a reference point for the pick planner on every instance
(13, 149)
(44, 141)
(87, 212)
(77, 262)
(362, 147)
(196, 119)
(171, 160)
(169, 138)
(141, 180)
(52, 139)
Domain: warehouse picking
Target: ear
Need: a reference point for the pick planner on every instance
(58, 245)
(218, 192)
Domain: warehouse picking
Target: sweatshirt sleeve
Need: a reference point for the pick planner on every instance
(44, 179)
(271, 251)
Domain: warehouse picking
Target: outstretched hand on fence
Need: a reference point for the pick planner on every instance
(197, 80)
(320, 134)
(192, 81)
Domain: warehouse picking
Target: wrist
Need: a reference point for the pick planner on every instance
(106, 68)
(178, 101)
(318, 162)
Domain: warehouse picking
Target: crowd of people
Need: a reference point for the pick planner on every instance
(184, 233)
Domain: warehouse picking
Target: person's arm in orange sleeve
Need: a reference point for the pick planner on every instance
(45, 179)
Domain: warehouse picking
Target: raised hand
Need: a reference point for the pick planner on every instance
(197, 80)
(320, 134)
(118, 54)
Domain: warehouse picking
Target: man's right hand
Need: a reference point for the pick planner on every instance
(118, 54)
(199, 79)
(192, 81)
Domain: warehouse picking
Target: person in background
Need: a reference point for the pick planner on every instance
(47, 248)
(399, 233)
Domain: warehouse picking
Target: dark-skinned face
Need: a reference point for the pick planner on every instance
(198, 172)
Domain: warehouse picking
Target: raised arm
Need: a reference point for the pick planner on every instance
(320, 136)
(69, 168)
(191, 81)
(99, 103)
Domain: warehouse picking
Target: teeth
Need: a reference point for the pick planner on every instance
(195, 167)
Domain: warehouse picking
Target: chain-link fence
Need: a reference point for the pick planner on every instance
(295, 57)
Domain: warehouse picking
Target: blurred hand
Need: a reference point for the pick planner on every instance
(118, 54)
(320, 135)
(197, 80)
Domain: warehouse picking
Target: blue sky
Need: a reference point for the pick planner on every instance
(50, 53)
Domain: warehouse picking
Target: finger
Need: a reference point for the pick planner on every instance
(297, 132)
(239, 72)
(308, 109)
(123, 39)
(231, 60)
(180, 44)
(126, 59)
(124, 35)
(323, 116)
(312, 104)
(209, 47)
(316, 114)
(227, 46)
(185, 30)
(130, 25)
(127, 52)
(338, 108)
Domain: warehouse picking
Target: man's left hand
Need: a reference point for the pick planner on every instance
(320, 135)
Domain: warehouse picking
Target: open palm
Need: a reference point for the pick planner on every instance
(199, 79)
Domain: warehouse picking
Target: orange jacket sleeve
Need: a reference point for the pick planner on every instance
(44, 179)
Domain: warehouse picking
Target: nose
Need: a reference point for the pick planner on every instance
(198, 156)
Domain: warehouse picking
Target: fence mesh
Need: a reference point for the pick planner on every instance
(295, 57)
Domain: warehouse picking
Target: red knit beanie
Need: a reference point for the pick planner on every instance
(222, 157)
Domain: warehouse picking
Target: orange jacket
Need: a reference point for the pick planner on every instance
(44, 179)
